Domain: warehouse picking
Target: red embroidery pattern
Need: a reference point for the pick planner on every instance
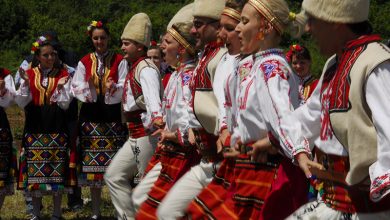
(134, 85)
(336, 85)
(201, 79)
(272, 68)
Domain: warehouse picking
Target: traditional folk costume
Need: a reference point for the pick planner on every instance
(101, 131)
(267, 92)
(306, 87)
(44, 165)
(7, 153)
(203, 113)
(350, 155)
(174, 164)
(141, 104)
(216, 192)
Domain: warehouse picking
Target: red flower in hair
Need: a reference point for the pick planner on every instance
(153, 43)
(293, 48)
(99, 24)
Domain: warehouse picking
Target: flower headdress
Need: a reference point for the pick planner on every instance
(153, 43)
(38, 43)
(96, 24)
(293, 48)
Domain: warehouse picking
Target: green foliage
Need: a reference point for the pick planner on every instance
(23, 20)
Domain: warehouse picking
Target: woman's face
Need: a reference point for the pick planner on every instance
(229, 35)
(100, 40)
(170, 48)
(301, 66)
(248, 30)
(47, 57)
(155, 56)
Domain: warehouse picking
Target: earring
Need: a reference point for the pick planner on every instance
(260, 35)
(178, 56)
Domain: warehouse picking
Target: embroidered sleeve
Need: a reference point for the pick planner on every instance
(114, 94)
(308, 119)
(80, 88)
(23, 94)
(24, 65)
(62, 96)
(150, 83)
(273, 68)
(7, 96)
(377, 97)
(275, 75)
(185, 93)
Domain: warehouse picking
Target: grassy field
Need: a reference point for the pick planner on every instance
(14, 206)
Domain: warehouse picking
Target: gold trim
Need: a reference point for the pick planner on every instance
(107, 70)
(50, 84)
(233, 13)
(38, 85)
(267, 13)
(181, 40)
(94, 73)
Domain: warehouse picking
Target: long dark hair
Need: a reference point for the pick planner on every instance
(35, 61)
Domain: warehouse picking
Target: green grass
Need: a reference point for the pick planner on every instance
(14, 207)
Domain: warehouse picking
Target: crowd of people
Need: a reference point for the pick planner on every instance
(215, 122)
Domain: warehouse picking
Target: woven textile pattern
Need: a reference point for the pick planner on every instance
(99, 143)
(5, 154)
(46, 156)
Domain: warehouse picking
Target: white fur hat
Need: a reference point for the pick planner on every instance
(338, 11)
(183, 15)
(139, 29)
(209, 9)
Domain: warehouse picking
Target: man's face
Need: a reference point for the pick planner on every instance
(325, 35)
(204, 30)
(130, 50)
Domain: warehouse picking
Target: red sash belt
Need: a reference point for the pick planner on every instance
(339, 195)
(134, 124)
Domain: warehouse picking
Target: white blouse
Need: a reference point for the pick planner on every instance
(377, 92)
(62, 97)
(267, 93)
(176, 100)
(7, 96)
(86, 92)
(224, 69)
(151, 87)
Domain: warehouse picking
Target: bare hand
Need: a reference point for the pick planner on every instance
(191, 137)
(233, 152)
(157, 132)
(221, 140)
(261, 149)
(158, 123)
(168, 136)
(109, 83)
(306, 164)
(23, 74)
(62, 82)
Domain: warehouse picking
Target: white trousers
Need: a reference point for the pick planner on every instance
(132, 158)
(140, 193)
(185, 190)
(318, 210)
